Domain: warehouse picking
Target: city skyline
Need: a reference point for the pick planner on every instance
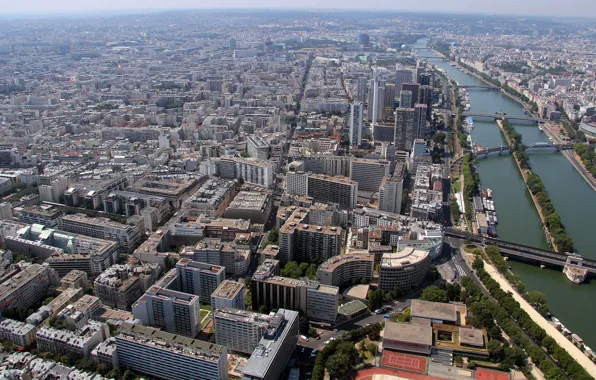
(572, 9)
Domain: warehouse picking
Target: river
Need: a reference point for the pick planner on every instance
(519, 222)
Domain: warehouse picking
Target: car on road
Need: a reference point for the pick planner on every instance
(386, 316)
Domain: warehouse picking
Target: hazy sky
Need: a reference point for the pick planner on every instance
(582, 8)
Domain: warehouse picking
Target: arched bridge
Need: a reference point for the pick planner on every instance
(532, 148)
(503, 116)
(490, 88)
(521, 251)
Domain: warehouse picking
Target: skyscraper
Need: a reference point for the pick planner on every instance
(376, 100)
(420, 112)
(363, 39)
(402, 76)
(362, 82)
(426, 97)
(404, 128)
(405, 99)
(415, 88)
(389, 100)
(355, 124)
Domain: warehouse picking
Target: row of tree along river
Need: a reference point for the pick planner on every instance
(519, 221)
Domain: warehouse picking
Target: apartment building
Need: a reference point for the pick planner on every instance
(176, 312)
(213, 197)
(240, 330)
(369, 173)
(306, 242)
(322, 188)
(21, 334)
(200, 279)
(164, 355)
(250, 205)
(229, 294)
(45, 215)
(120, 286)
(79, 342)
(127, 236)
(270, 358)
(26, 286)
(318, 302)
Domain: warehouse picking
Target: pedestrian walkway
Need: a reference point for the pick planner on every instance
(565, 343)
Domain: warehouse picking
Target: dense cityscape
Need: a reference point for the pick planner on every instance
(275, 194)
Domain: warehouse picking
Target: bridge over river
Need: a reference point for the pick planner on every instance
(532, 148)
(524, 252)
(497, 116)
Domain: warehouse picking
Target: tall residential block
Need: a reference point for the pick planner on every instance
(420, 113)
(369, 173)
(164, 355)
(402, 76)
(229, 294)
(355, 124)
(176, 312)
(239, 330)
(198, 278)
(404, 128)
(390, 194)
(271, 356)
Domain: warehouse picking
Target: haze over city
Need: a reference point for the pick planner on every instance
(572, 8)
(240, 190)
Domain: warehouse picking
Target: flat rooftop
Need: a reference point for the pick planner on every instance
(228, 290)
(434, 310)
(336, 261)
(406, 256)
(410, 333)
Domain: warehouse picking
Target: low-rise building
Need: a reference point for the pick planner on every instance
(19, 333)
(79, 342)
(45, 215)
(121, 285)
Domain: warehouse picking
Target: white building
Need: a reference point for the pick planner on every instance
(198, 278)
(229, 294)
(356, 115)
(79, 342)
(240, 330)
(168, 356)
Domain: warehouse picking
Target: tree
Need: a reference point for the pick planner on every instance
(312, 331)
(372, 348)
(375, 299)
(311, 272)
(339, 366)
(538, 301)
(262, 309)
(303, 325)
(495, 350)
(434, 294)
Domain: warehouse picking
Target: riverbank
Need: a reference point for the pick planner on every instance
(577, 164)
(561, 340)
(525, 173)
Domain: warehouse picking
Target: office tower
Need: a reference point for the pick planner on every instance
(362, 83)
(363, 39)
(420, 113)
(425, 79)
(239, 330)
(389, 100)
(405, 99)
(229, 294)
(402, 76)
(390, 191)
(426, 97)
(355, 124)
(404, 128)
(368, 173)
(232, 44)
(168, 356)
(198, 278)
(419, 70)
(272, 354)
(415, 89)
(176, 312)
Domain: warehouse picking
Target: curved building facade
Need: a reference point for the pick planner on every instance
(343, 269)
(404, 269)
